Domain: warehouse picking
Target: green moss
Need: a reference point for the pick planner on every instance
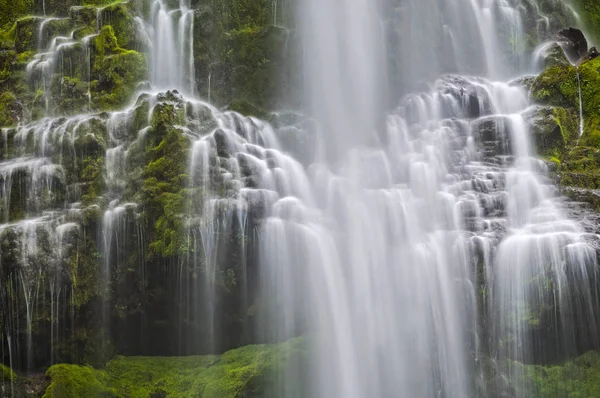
(105, 42)
(590, 94)
(91, 175)
(7, 374)
(589, 12)
(74, 381)
(9, 109)
(243, 372)
(116, 71)
(119, 17)
(11, 10)
(247, 109)
(25, 37)
(581, 168)
(579, 378)
(557, 86)
(164, 179)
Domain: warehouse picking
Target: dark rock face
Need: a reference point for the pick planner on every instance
(573, 42)
(545, 128)
(593, 53)
(493, 135)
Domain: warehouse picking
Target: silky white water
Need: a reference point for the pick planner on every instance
(420, 241)
(377, 257)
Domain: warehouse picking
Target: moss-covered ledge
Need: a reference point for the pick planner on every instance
(249, 372)
(561, 86)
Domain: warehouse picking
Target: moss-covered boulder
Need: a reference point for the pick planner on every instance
(579, 378)
(574, 92)
(121, 17)
(251, 371)
(589, 11)
(240, 54)
(553, 129)
(7, 374)
(116, 71)
(581, 168)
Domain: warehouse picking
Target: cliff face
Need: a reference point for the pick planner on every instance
(97, 194)
(102, 251)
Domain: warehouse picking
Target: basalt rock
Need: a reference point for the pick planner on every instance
(573, 42)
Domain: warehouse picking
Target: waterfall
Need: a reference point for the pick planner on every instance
(376, 257)
(172, 50)
(417, 245)
(579, 95)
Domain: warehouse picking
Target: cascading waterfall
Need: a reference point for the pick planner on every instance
(172, 53)
(418, 243)
(579, 95)
(385, 236)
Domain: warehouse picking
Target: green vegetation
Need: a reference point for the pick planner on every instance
(589, 10)
(558, 86)
(579, 378)
(11, 10)
(7, 374)
(242, 372)
(164, 179)
(243, 53)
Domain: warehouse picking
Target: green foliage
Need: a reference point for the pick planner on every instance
(556, 86)
(120, 18)
(9, 109)
(7, 374)
(74, 381)
(117, 71)
(589, 11)
(243, 53)
(581, 168)
(242, 372)
(247, 109)
(590, 93)
(579, 378)
(11, 10)
(559, 86)
(164, 178)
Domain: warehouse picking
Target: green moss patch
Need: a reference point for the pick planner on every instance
(579, 378)
(243, 372)
(7, 374)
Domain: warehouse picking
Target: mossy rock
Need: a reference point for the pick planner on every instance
(247, 109)
(581, 168)
(120, 17)
(590, 94)
(84, 15)
(26, 38)
(11, 110)
(589, 12)
(579, 378)
(556, 86)
(10, 11)
(7, 374)
(74, 381)
(249, 371)
(555, 56)
(553, 129)
(164, 177)
(117, 72)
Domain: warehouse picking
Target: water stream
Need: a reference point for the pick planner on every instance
(420, 240)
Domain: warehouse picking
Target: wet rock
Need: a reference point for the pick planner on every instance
(573, 42)
(591, 54)
(555, 56)
(493, 135)
(545, 129)
(526, 82)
